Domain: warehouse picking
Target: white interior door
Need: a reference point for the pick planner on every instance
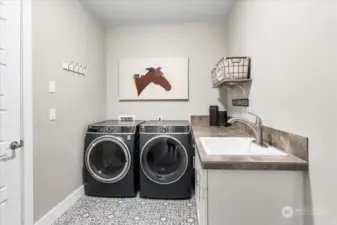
(10, 112)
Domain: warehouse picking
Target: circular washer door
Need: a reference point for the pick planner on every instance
(108, 159)
(164, 159)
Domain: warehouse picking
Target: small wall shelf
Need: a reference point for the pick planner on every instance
(231, 82)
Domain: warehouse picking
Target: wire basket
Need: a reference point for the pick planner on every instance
(231, 68)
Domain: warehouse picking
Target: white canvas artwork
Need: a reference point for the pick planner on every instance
(153, 79)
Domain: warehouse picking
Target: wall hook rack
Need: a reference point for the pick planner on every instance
(75, 68)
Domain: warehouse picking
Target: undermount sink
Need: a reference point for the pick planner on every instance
(236, 146)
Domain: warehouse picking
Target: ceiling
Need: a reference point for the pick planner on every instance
(137, 12)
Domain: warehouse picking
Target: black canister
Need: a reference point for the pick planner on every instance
(223, 118)
(213, 115)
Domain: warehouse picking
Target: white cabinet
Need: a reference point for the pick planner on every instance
(201, 192)
(242, 197)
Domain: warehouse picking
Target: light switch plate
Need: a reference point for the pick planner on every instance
(52, 86)
(52, 114)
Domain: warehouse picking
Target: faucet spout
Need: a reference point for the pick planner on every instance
(256, 127)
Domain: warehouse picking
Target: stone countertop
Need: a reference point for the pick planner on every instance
(287, 162)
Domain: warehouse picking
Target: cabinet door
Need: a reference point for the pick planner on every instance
(197, 186)
(202, 206)
(203, 202)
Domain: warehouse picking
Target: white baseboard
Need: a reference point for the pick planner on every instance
(61, 208)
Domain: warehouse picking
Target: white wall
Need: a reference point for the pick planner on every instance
(64, 31)
(293, 45)
(204, 44)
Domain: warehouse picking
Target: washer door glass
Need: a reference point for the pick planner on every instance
(164, 160)
(108, 159)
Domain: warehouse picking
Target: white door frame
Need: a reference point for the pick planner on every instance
(27, 113)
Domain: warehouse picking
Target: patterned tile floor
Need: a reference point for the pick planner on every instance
(130, 211)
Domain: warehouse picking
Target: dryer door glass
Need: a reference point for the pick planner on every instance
(108, 159)
(164, 160)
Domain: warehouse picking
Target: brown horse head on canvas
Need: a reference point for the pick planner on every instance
(155, 76)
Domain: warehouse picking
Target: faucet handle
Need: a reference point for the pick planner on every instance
(258, 120)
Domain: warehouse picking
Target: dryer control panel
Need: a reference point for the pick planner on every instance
(164, 129)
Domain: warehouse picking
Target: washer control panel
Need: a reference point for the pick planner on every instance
(111, 129)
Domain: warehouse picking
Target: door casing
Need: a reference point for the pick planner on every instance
(27, 112)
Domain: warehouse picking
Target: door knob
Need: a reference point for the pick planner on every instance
(14, 145)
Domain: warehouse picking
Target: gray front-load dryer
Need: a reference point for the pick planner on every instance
(166, 157)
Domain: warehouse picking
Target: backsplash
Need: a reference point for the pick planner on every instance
(285, 141)
(202, 120)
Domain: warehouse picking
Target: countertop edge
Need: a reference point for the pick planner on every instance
(262, 166)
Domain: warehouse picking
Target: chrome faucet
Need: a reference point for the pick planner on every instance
(256, 127)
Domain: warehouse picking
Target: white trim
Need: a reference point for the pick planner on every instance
(61, 208)
(27, 105)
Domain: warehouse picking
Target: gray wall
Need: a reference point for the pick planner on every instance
(64, 31)
(204, 44)
(293, 46)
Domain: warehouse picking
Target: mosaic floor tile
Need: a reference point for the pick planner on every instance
(130, 211)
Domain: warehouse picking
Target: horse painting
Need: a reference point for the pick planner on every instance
(155, 76)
